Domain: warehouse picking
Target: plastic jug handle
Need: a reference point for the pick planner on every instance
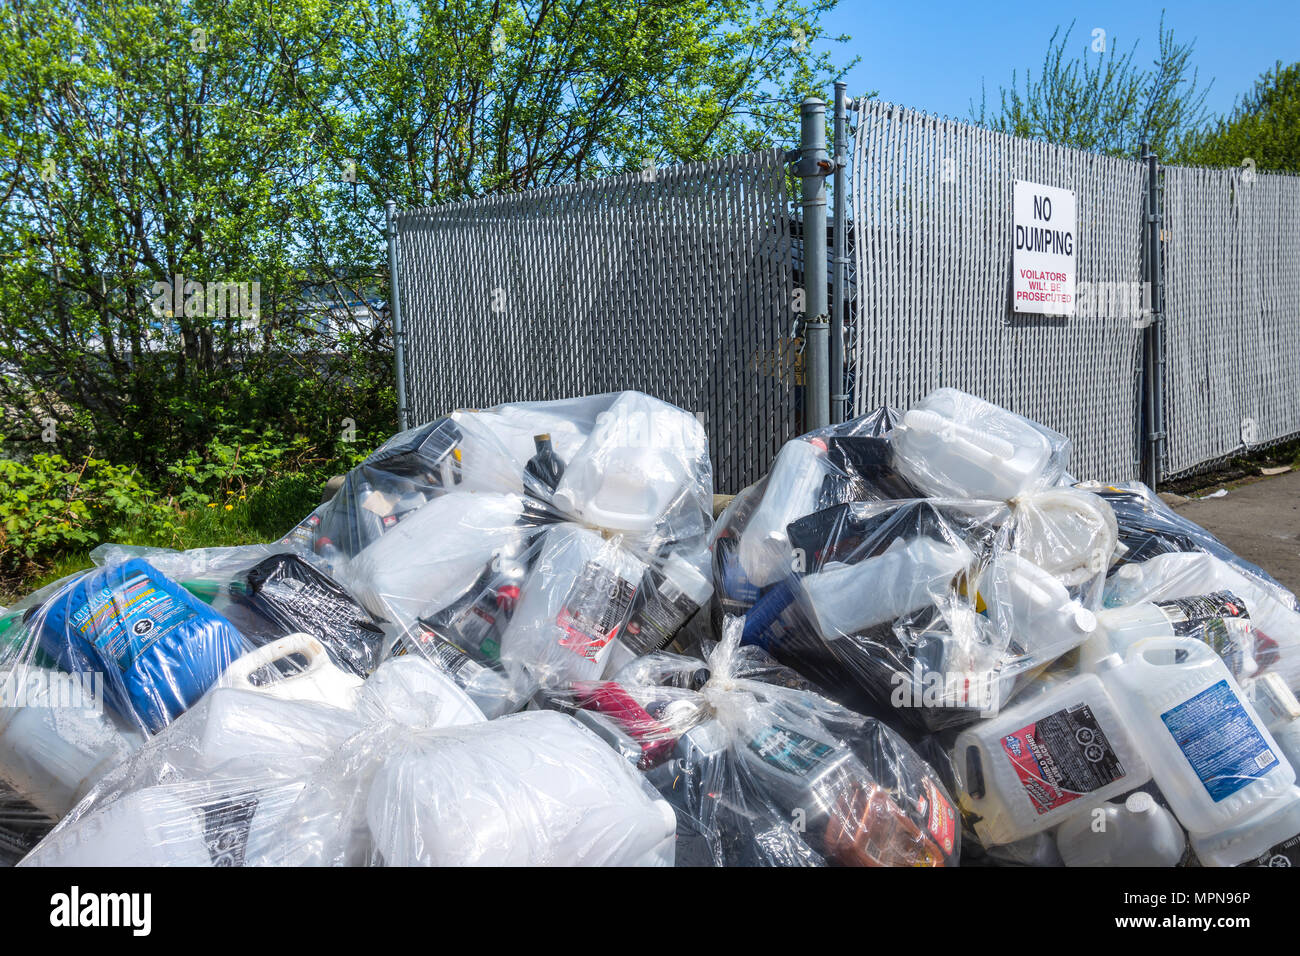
(1196, 649)
(305, 645)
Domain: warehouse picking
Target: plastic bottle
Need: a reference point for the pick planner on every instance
(1280, 710)
(545, 467)
(159, 647)
(1269, 838)
(417, 693)
(639, 458)
(1042, 760)
(846, 598)
(404, 575)
(496, 689)
(1067, 532)
(956, 445)
(1138, 832)
(198, 823)
(532, 789)
(867, 828)
(793, 489)
(1184, 574)
(239, 731)
(1209, 752)
(1033, 609)
(678, 590)
(50, 753)
(316, 680)
(1219, 618)
(573, 606)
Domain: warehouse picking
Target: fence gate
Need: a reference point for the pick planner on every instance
(676, 282)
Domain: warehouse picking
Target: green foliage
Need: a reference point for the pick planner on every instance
(1102, 100)
(1263, 127)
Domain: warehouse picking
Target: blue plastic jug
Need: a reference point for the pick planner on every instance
(158, 646)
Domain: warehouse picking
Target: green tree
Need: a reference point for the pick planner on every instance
(239, 141)
(1264, 126)
(1103, 100)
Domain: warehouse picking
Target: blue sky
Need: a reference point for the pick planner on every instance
(933, 56)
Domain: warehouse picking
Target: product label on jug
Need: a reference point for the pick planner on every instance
(1220, 740)
(225, 829)
(1286, 853)
(124, 622)
(1221, 620)
(1062, 757)
(788, 750)
(596, 606)
(659, 619)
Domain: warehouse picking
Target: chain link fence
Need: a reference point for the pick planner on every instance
(932, 211)
(677, 282)
(1232, 313)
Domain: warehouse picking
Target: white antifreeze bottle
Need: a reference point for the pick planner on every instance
(1219, 618)
(792, 491)
(1041, 761)
(1211, 755)
(843, 599)
(1138, 832)
(319, 680)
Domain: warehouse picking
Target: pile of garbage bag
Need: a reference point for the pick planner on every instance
(518, 636)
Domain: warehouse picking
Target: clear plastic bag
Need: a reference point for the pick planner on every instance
(764, 771)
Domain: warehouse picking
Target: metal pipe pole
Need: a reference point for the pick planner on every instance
(839, 308)
(1150, 340)
(813, 166)
(395, 310)
(1158, 312)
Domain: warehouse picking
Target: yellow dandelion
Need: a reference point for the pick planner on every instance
(230, 507)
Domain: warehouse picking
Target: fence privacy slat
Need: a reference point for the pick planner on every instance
(678, 283)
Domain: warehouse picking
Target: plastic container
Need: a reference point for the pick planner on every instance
(158, 646)
(533, 789)
(951, 444)
(316, 679)
(1138, 832)
(1280, 710)
(679, 589)
(1033, 608)
(1041, 761)
(573, 606)
(843, 599)
(245, 731)
(792, 490)
(1209, 752)
(1070, 534)
(1180, 575)
(417, 693)
(1270, 838)
(1218, 619)
(634, 464)
(51, 755)
(403, 575)
(193, 824)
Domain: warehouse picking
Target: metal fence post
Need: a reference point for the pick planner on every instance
(839, 248)
(395, 310)
(813, 167)
(1153, 425)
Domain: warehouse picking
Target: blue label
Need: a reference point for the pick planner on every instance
(1220, 740)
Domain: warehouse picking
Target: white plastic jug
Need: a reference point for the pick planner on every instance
(1179, 574)
(1069, 533)
(1119, 628)
(251, 729)
(572, 606)
(221, 823)
(846, 598)
(1280, 710)
(1138, 832)
(417, 693)
(1209, 752)
(533, 789)
(51, 755)
(951, 444)
(318, 681)
(638, 459)
(1270, 838)
(425, 562)
(792, 491)
(1042, 760)
(1033, 608)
